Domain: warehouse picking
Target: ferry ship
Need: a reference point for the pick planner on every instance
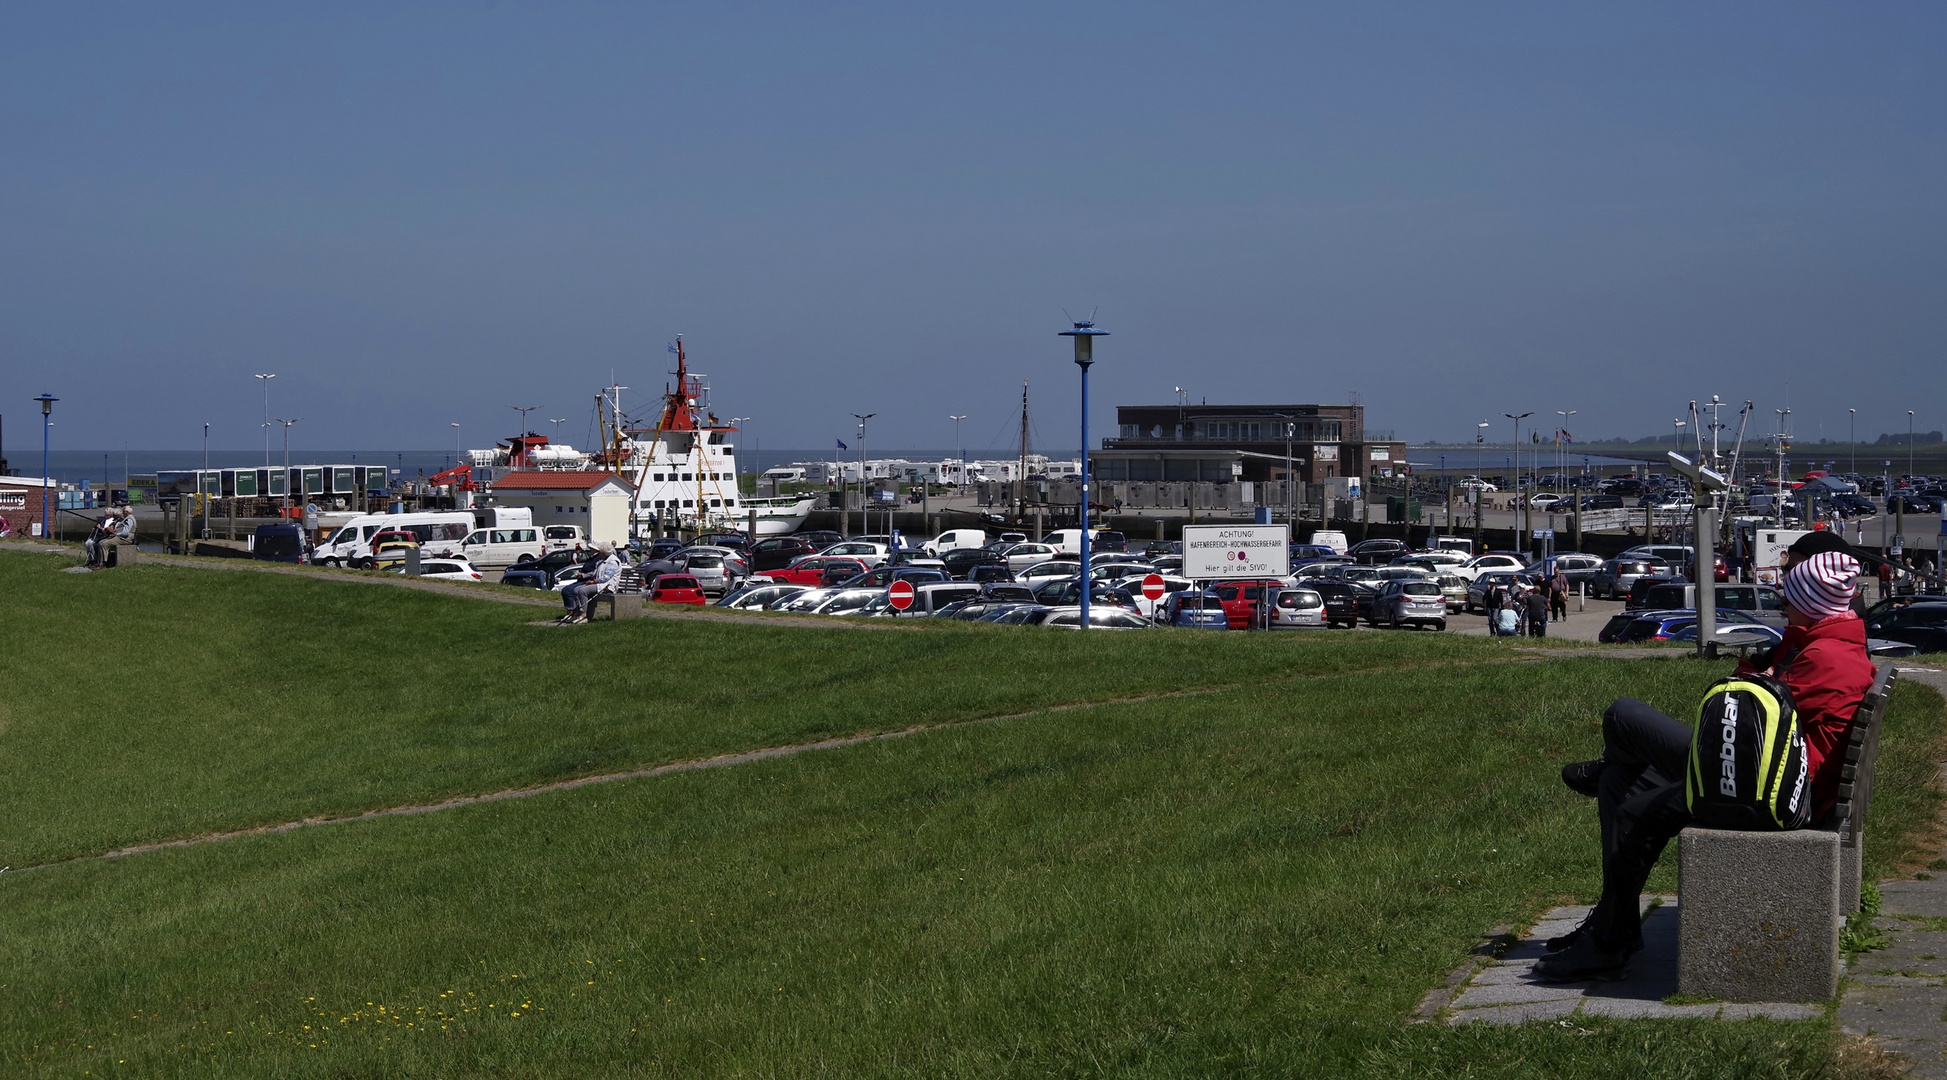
(685, 467)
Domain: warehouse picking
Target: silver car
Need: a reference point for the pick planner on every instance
(1409, 603)
(1298, 609)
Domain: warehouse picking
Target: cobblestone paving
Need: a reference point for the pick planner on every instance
(1504, 989)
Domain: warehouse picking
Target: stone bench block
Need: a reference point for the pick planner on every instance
(1760, 917)
(620, 605)
(116, 553)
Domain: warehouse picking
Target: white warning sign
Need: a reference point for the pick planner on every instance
(1236, 551)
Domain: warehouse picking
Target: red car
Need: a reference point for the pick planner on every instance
(1240, 598)
(677, 589)
(810, 570)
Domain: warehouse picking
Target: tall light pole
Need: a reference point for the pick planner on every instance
(962, 485)
(1517, 471)
(865, 520)
(1480, 447)
(523, 410)
(47, 411)
(1852, 436)
(1084, 334)
(734, 421)
(1561, 463)
(287, 463)
(1909, 442)
(557, 422)
(1288, 505)
(206, 447)
(265, 380)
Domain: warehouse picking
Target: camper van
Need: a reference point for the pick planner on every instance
(439, 532)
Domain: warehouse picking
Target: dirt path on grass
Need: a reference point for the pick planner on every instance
(492, 593)
(743, 757)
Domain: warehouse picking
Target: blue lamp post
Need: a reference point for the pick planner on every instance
(47, 411)
(1085, 334)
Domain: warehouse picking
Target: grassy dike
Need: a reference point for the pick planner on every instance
(1258, 880)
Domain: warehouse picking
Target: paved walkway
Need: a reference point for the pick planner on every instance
(1501, 988)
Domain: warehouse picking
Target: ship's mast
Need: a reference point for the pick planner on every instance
(1021, 468)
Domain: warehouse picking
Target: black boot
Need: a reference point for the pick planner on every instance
(1582, 777)
(1585, 959)
(1557, 944)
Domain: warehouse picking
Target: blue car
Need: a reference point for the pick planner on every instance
(1193, 610)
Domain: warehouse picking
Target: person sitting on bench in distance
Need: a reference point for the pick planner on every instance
(1638, 782)
(578, 596)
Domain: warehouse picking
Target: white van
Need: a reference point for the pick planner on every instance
(954, 540)
(496, 548)
(563, 537)
(1330, 538)
(503, 517)
(1068, 540)
(439, 532)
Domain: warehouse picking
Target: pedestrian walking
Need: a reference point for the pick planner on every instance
(1558, 594)
(1537, 605)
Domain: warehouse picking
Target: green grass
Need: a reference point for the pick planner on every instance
(1262, 880)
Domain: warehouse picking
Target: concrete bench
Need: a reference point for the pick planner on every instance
(1760, 912)
(624, 601)
(119, 553)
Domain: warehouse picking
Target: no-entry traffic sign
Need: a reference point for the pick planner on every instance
(900, 595)
(1153, 587)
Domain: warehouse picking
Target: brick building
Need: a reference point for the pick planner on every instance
(1244, 442)
(20, 502)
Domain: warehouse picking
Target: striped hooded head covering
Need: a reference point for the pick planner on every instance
(1823, 585)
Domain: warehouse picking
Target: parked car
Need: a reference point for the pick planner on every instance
(1021, 556)
(1156, 548)
(756, 597)
(958, 561)
(1661, 625)
(278, 543)
(1053, 568)
(987, 573)
(865, 551)
(563, 537)
(1637, 599)
(444, 569)
(661, 547)
(1922, 625)
(820, 538)
(1576, 566)
(1409, 602)
(1765, 603)
(1108, 541)
(1346, 602)
(1298, 609)
(1061, 592)
(839, 571)
(734, 540)
(1478, 588)
(1192, 610)
(1490, 562)
(1302, 554)
(1378, 552)
(1606, 501)
(928, 599)
(882, 576)
(977, 610)
(845, 601)
(810, 570)
(1620, 574)
(543, 572)
(1243, 598)
(676, 589)
(778, 552)
(1099, 618)
(710, 566)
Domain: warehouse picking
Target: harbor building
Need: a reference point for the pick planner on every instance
(1223, 443)
(596, 501)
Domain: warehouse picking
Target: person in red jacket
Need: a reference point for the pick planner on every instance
(1638, 781)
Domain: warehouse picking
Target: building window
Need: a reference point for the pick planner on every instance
(689, 502)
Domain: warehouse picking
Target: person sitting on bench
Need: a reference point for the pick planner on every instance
(578, 596)
(1638, 782)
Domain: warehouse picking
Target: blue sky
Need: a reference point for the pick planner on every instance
(421, 214)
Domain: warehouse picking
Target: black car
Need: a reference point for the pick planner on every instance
(961, 560)
(662, 547)
(820, 539)
(543, 572)
(1602, 502)
(987, 573)
(1345, 602)
(1639, 593)
(1064, 592)
(1908, 503)
(1109, 540)
(1923, 626)
(1156, 548)
(778, 552)
(1378, 552)
(735, 540)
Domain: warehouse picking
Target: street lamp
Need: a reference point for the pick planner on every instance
(47, 411)
(456, 441)
(865, 511)
(287, 463)
(1480, 446)
(962, 485)
(523, 410)
(1084, 334)
(1517, 460)
(1909, 442)
(557, 422)
(265, 379)
(206, 446)
(1852, 436)
(1561, 462)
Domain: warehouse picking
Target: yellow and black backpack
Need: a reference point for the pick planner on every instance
(1747, 758)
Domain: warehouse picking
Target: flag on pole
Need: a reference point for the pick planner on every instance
(672, 350)
(841, 445)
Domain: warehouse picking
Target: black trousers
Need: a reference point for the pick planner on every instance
(1639, 801)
